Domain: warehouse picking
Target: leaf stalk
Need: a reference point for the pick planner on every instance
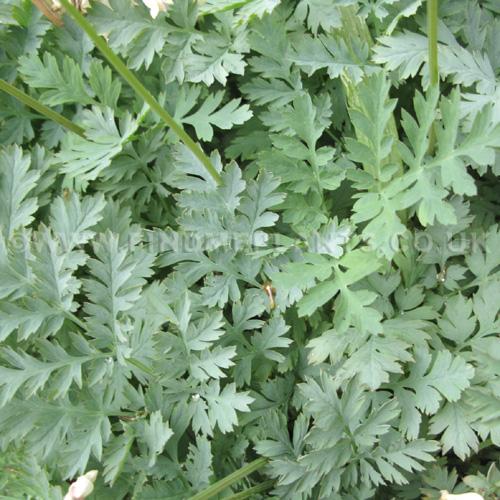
(432, 37)
(353, 27)
(236, 476)
(260, 488)
(42, 109)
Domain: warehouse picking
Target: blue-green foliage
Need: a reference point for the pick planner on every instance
(332, 306)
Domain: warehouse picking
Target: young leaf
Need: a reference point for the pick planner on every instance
(373, 362)
(220, 407)
(117, 279)
(458, 434)
(319, 13)
(145, 37)
(312, 54)
(84, 159)
(217, 54)
(33, 374)
(272, 338)
(155, 434)
(198, 466)
(16, 181)
(224, 118)
(63, 87)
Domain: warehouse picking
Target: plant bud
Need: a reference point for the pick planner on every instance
(462, 496)
(156, 6)
(82, 487)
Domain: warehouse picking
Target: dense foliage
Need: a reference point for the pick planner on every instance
(137, 337)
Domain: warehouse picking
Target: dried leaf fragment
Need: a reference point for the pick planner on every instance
(270, 290)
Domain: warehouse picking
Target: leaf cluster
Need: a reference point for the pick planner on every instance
(333, 305)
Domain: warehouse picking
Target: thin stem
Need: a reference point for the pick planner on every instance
(224, 9)
(44, 110)
(127, 415)
(312, 161)
(333, 136)
(266, 485)
(354, 27)
(235, 465)
(142, 367)
(144, 93)
(376, 24)
(236, 476)
(42, 5)
(75, 319)
(432, 33)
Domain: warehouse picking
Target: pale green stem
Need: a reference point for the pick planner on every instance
(43, 110)
(224, 9)
(236, 476)
(142, 367)
(432, 34)
(144, 93)
(353, 27)
(75, 319)
(312, 160)
(266, 485)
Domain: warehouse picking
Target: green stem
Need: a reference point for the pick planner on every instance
(354, 27)
(44, 110)
(376, 24)
(75, 319)
(123, 414)
(266, 485)
(236, 476)
(322, 197)
(144, 93)
(312, 161)
(333, 136)
(224, 9)
(232, 461)
(432, 34)
(142, 367)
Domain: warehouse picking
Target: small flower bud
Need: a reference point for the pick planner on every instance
(82, 487)
(156, 6)
(462, 496)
